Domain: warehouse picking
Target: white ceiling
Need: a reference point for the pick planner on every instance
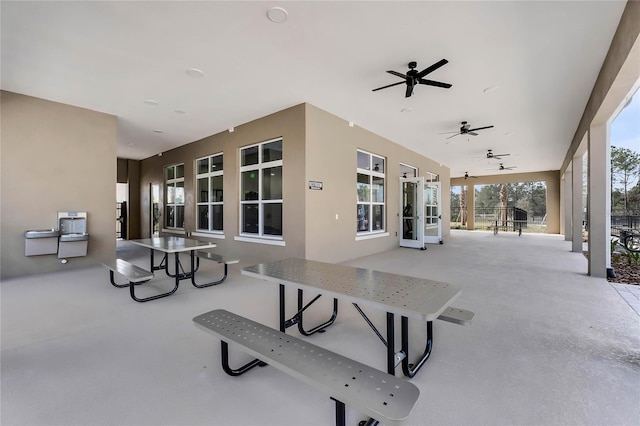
(542, 57)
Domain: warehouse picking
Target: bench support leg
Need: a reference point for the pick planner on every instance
(410, 370)
(113, 282)
(236, 372)
(297, 318)
(318, 328)
(195, 264)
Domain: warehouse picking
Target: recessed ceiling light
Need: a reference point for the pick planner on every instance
(490, 89)
(406, 110)
(508, 133)
(151, 102)
(195, 73)
(179, 111)
(277, 15)
(158, 131)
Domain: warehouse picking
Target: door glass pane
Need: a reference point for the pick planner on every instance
(378, 189)
(179, 216)
(377, 218)
(250, 185)
(171, 193)
(272, 183)
(203, 166)
(216, 189)
(250, 218)
(203, 190)
(363, 187)
(216, 163)
(171, 173)
(364, 160)
(363, 217)
(203, 217)
(179, 192)
(272, 219)
(180, 171)
(171, 220)
(249, 156)
(216, 217)
(272, 151)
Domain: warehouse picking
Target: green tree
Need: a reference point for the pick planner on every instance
(625, 169)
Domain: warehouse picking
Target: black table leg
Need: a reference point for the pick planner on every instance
(391, 343)
(410, 370)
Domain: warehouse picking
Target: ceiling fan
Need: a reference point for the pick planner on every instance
(466, 130)
(466, 176)
(413, 77)
(491, 156)
(502, 167)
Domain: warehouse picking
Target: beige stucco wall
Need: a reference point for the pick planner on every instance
(53, 159)
(331, 159)
(550, 178)
(317, 146)
(289, 124)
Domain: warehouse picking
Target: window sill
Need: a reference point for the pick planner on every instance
(371, 236)
(258, 240)
(208, 235)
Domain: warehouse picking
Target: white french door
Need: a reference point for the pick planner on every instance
(411, 212)
(432, 213)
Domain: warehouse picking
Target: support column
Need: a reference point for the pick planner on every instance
(576, 204)
(471, 207)
(599, 205)
(566, 204)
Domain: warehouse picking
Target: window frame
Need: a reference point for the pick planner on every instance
(172, 182)
(372, 173)
(259, 168)
(209, 175)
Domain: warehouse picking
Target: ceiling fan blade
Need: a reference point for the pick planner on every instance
(500, 155)
(397, 74)
(448, 133)
(453, 135)
(469, 132)
(409, 90)
(480, 128)
(389, 85)
(432, 68)
(434, 83)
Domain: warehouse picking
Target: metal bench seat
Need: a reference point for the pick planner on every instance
(383, 397)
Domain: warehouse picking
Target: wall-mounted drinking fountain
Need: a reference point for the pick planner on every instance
(73, 234)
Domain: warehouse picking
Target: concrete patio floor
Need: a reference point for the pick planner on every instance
(548, 345)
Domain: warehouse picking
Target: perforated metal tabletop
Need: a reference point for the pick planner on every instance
(407, 296)
(173, 244)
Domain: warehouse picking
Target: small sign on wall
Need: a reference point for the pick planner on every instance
(315, 185)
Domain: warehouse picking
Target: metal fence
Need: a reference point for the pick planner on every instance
(505, 218)
(623, 219)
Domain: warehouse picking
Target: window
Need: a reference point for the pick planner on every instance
(174, 184)
(407, 171)
(431, 177)
(261, 190)
(209, 193)
(370, 193)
